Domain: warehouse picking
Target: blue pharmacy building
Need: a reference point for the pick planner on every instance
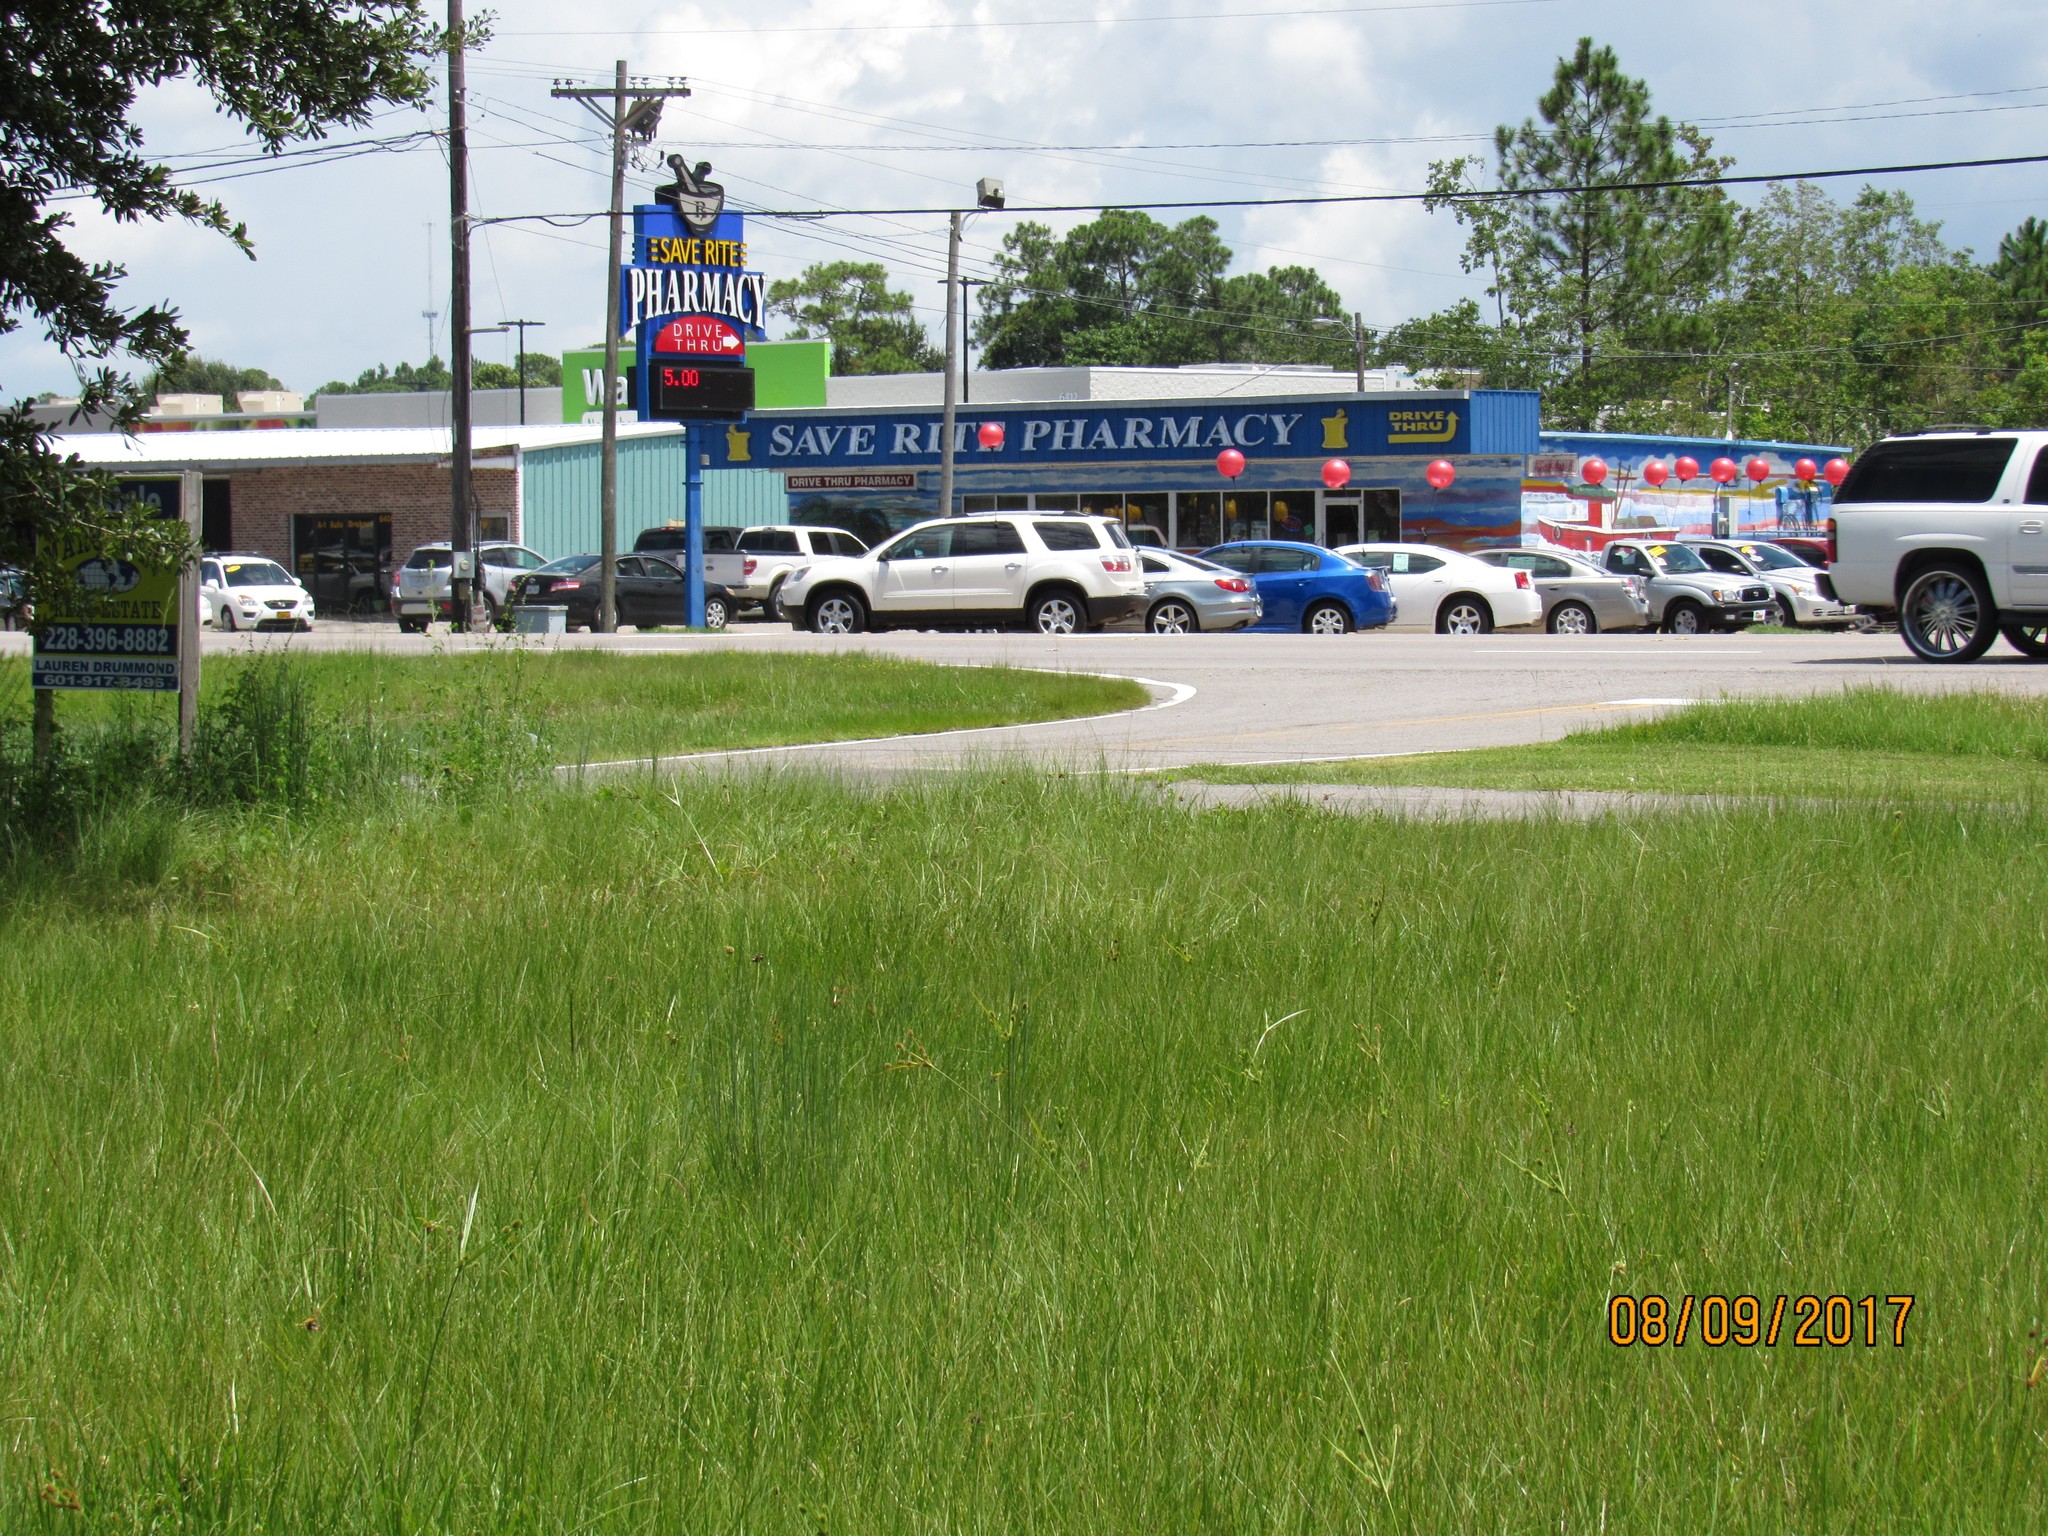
(1064, 440)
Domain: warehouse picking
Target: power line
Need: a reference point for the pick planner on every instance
(1037, 21)
(1484, 195)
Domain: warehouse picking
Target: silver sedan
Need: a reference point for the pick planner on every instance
(1578, 599)
(1185, 594)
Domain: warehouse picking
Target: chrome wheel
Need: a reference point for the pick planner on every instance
(225, 619)
(1172, 617)
(1462, 616)
(1056, 615)
(1946, 616)
(1328, 619)
(714, 613)
(2029, 640)
(1683, 619)
(1572, 619)
(835, 615)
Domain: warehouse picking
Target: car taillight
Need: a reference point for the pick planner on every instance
(567, 584)
(1831, 541)
(1522, 581)
(1233, 584)
(1376, 578)
(748, 568)
(1117, 563)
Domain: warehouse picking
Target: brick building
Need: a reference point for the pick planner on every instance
(338, 507)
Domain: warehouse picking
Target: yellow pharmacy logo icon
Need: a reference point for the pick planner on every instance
(737, 446)
(1336, 430)
(1422, 426)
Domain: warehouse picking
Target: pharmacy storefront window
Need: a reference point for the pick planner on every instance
(1244, 515)
(1200, 515)
(1294, 516)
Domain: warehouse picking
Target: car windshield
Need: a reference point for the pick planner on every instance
(1771, 558)
(256, 573)
(1175, 557)
(568, 565)
(1676, 558)
(427, 559)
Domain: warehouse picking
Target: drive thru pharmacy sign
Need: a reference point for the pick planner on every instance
(120, 631)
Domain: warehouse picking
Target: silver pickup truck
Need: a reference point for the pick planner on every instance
(1948, 528)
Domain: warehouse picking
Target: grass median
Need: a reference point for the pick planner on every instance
(591, 706)
(1859, 744)
(1006, 1153)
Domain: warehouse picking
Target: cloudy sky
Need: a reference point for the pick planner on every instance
(852, 104)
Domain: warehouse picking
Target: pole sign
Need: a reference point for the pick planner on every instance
(123, 634)
(691, 302)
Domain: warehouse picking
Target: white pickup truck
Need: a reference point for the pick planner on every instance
(757, 560)
(1949, 529)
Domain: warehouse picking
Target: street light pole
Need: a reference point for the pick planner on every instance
(521, 326)
(988, 193)
(1358, 338)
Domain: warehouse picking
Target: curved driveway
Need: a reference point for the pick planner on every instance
(1252, 698)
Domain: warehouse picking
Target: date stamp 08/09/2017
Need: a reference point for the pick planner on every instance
(1814, 1322)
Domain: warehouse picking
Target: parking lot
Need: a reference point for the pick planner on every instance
(1254, 698)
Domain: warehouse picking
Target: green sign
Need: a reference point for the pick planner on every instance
(121, 632)
(786, 374)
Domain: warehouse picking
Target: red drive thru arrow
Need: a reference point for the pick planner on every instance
(700, 336)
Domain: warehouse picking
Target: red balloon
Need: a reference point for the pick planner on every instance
(1336, 474)
(1441, 473)
(1688, 468)
(1230, 463)
(1721, 471)
(1758, 469)
(1594, 471)
(1654, 473)
(1836, 472)
(991, 434)
(1805, 470)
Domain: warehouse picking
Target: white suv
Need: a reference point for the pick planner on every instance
(1055, 574)
(421, 590)
(774, 550)
(1950, 528)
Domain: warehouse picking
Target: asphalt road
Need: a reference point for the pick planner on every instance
(1288, 698)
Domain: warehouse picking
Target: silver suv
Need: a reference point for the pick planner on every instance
(1055, 574)
(421, 590)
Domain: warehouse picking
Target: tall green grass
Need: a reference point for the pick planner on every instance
(1004, 1154)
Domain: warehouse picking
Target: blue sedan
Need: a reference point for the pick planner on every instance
(1307, 589)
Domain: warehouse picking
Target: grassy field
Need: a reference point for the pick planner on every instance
(590, 706)
(1009, 1154)
(1861, 744)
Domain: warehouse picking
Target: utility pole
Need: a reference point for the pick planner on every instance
(1358, 340)
(462, 560)
(609, 107)
(952, 341)
(521, 327)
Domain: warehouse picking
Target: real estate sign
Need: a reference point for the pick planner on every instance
(119, 631)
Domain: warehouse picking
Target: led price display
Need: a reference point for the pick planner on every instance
(686, 391)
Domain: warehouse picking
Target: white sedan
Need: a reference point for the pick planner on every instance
(1452, 593)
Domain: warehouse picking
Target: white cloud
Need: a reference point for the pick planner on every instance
(342, 277)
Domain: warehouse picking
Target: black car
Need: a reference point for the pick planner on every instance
(649, 591)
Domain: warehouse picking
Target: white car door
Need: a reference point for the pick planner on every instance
(914, 572)
(989, 571)
(1419, 584)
